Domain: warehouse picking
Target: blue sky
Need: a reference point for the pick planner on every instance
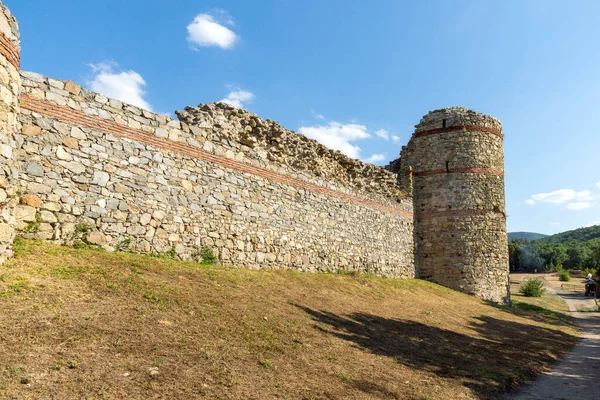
(358, 75)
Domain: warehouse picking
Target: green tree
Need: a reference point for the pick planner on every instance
(514, 254)
(596, 256)
(578, 254)
(551, 253)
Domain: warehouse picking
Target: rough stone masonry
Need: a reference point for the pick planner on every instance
(76, 165)
(454, 164)
(10, 85)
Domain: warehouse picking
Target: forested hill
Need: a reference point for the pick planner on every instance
(526, 235)
(575, 249)
(577, 235)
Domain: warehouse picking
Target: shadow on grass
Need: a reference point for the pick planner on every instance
(505, 354)
(373, 389)
(536, 313)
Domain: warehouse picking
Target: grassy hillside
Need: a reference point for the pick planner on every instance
(79, 323)
(576, 249)
(526, 235)
(578, 235)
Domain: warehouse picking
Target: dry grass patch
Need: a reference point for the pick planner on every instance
(79, 323)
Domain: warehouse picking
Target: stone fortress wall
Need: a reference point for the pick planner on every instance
(78, 165)
(164, 185)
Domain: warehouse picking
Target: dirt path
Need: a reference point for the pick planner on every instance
(577, 376)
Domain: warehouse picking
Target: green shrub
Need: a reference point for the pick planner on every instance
(81, 231)
(587, 271)
(207, 257)
(533, 288)
(564, 276)
(559, 268)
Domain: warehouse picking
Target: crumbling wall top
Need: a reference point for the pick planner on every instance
(9, 26)
(268, 140)
(456, 116)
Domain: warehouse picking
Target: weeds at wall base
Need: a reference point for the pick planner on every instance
(82, 245)
(207, 257)
(123, 245)
(34, 226)
(170, 254)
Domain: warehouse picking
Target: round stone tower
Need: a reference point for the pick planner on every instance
(456, 160)
(10, 87)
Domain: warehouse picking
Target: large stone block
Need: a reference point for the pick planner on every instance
(25, 213)
(6, 233)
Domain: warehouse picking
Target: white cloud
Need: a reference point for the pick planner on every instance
(577, 206)
(562, 196)
(127, 86)
(382, 133)
(586, 195)
(208, 30)
(375, 158)
(598, 184)
(317, 115)
(338, 136)
(556, 197)
(592, 224)
(395, 138)
(238, 97)
(555, 223)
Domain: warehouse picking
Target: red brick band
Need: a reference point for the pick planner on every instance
(9, 51)
(459, 128)
(458, 213)
(488, 171)
(80, 118)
